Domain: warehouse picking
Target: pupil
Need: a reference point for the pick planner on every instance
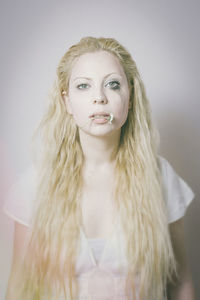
(115, 85)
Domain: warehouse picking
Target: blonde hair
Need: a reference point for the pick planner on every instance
(54, 242)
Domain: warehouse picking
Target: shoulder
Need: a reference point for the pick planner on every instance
(20, 197)
(177, 193)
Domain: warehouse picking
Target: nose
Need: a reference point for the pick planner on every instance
(100, 100)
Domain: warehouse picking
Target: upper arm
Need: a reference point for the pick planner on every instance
(20, 239)
(178, 243)
(19, 247)
(182, 288)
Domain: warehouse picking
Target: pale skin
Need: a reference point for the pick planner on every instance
(96, 90)
(98, 83)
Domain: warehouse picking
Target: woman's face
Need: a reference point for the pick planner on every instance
(98, 87)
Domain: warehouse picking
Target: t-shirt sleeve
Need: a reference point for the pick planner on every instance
(20, 198)
(177, 194)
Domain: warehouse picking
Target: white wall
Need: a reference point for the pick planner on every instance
(163, 38)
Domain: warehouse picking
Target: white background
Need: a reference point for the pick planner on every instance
(163, 38)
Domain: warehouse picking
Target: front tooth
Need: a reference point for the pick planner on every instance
(99, 116)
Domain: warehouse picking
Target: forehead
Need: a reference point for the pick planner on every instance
(96, 63)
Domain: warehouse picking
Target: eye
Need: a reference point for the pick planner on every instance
(114, 85)
(83, 86)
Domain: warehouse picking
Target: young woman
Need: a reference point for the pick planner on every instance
(92, 216)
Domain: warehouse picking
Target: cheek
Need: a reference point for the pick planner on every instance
(78, 110)
(122, 107)
(76, 103)
(121, 111)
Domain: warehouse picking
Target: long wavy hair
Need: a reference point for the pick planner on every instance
(50, 262)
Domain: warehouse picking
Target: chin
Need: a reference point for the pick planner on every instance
(101, 132)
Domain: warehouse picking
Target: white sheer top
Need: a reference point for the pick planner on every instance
(102, 266)
(97, 245)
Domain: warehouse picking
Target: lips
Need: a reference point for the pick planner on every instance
(99, 115)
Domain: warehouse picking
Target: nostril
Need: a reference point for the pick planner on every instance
(100, 100)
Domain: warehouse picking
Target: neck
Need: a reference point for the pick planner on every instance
(99, 151)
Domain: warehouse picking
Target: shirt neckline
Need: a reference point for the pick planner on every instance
(106, 239)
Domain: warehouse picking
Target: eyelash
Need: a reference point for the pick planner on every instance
(115, 85)
(82, 84)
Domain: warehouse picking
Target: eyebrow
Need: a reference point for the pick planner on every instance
(88, 78)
